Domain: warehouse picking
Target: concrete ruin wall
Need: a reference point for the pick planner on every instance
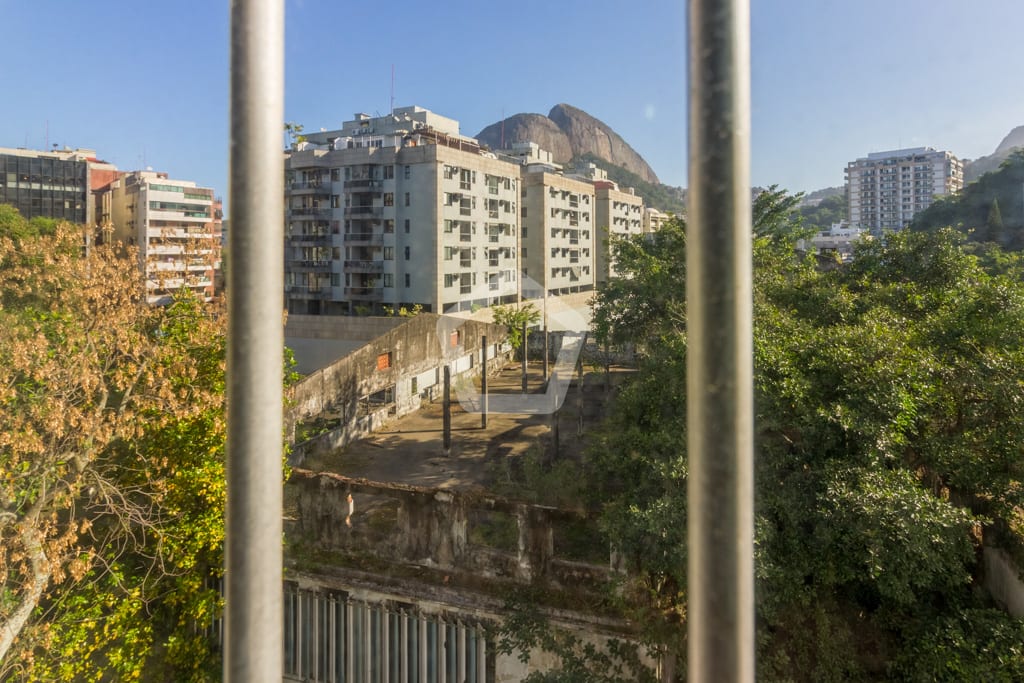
(414, 368)
(431, 528)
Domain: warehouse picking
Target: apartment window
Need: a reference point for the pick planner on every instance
(408, 280)
(389, 253)
(335, 279)
(407, 253)
(406, 226)
(389, 199)
(384, 361)
(335, 201)
(389, 280)
(389, 225)
(335, 175)
(524, 228)
(522, 252)
(407, 172)
(407, 199)
(389, 172)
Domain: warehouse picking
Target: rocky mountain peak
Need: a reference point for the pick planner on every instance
(568, 132)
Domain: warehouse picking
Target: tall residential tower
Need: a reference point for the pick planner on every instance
(885, 189)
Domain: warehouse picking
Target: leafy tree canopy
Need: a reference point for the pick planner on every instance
(111, 469)
(990, 209)
(888, 419)
(514, 317)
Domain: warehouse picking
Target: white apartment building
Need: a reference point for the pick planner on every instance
(559, 234)
(619, 214)
(175, 225)
(886, 189)
(840, 239)
(395, 211)
(653, 219)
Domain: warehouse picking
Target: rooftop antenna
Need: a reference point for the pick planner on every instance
(392, 88)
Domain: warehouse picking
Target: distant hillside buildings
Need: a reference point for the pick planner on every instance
(175, 224)
(885, 189)
(403, 210)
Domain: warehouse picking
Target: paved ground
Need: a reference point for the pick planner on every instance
(410, 449)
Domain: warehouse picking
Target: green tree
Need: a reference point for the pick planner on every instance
(16, 227)
(822, 215)
(111, 494)
(969, 210)
(994, 223)
(513, 318)
(886, 415)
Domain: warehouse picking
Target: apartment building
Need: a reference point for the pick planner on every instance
(175, 225)
(886, 189)
(653, 219)
(56, 184)
(559, 233)
(619, 214)
(398, 211)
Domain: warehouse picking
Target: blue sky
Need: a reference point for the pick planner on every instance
(146, 84)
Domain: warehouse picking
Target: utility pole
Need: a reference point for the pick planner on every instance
(554, 413)
(447, 411)
(483, 382)
(526, 345)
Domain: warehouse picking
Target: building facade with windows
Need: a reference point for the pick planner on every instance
(885, 189)
(57, 184)
(399, 211)
(174, 224)
(619, 214)
(559, 235)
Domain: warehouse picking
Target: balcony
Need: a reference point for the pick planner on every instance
(364, 293)
(321, 188)
(316, 238)
(308, 291)
(310, 211)
(364, 184)
(364, 211)
(364, 266)
(364, 238)
(311, 266)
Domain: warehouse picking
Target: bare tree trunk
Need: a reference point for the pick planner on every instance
(10, 628)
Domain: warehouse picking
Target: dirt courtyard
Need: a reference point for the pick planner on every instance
(410, 449)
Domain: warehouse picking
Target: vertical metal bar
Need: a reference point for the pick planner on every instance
(253, 555)
(720, 347)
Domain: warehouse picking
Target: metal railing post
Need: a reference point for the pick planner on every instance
(253, 552)
(720, 348)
